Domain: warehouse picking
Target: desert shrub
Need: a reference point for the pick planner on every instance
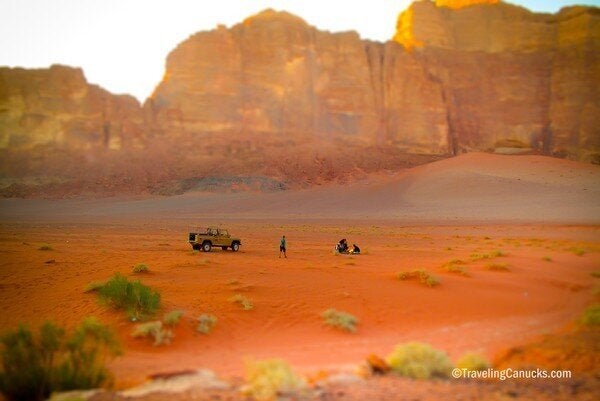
(138, 300)
(577, 251)
(340, 320)
(595, 274)
(267, 379)
(489, 255)
(419, 361)
(141, 268)
(153, 330)
(456, 266)
(172, 318)
(244, 302)
(404, 275)
(473, 361)
(206, 323)
(547, 259)
(45, 247)
(94, 286)
(591, 316)
(423, 276)
(33, 366)
(81, 368)
(497, 267)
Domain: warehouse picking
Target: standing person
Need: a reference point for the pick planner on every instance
(282, 246)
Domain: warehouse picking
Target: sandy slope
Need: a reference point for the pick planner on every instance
(420, 218)
(474, 187)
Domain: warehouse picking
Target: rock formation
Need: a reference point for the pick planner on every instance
(467, 76)
(274, 100)
(277, 77)
(57, 106)
(510, 77)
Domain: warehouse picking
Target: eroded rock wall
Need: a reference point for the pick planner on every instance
(57, 106)
(512, 78)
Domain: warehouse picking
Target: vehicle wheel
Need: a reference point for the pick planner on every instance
(235, 247)
(206, 247)
(224, 248)
(196, 247)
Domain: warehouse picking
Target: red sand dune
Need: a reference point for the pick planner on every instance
(532, 208)
(475, 187)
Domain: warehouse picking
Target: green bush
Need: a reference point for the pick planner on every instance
(206, 323)
(267, 379)
(473, 361)
(138, 300)
(33, 366)
(172, 318)
(340, 320)
(141, 268)
(154, 330)
(419, 361)
(591, 316)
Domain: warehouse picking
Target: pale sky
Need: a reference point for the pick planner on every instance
(122, 44)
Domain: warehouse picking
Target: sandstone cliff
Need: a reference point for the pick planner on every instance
(510, 77)
(277, 77)
(466, 76)
(273, 103)
(57, 106)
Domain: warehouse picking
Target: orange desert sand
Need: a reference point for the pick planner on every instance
(542, 213)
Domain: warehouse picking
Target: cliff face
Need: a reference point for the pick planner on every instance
(512, 78)
(468, 75)
(274, 100)
(276, 76)
(57, 106)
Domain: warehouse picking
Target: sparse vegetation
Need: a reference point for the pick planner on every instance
(172, 318)
(547, 259)
(206, 323)
(154, 330)
(473, 361)
(137, 299)
(94, 286)
(141, 268)
(423, 276)
(268, 379)
(34, 366)
(595, 274)
(456, 266)
(340, 320)
(419, 361)
(591, 316)
(45, 247)
(244, 302)
(497, 267)
(577, 251)
(489, 255)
